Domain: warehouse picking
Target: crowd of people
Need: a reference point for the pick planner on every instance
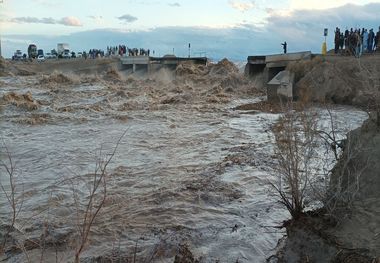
(95, 53)
(356, 42)
(122, 50)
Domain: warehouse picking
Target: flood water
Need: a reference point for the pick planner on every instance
(190, 173)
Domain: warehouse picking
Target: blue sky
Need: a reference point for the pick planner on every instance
(222, 28)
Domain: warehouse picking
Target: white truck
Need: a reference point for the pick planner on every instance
(63, 50)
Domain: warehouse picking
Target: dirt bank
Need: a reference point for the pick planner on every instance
(348, 228)
(341, 80)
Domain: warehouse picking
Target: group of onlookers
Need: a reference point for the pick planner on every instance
(95, 53)
(356, 42)
(123, 50)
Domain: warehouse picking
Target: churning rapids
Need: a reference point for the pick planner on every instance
(189, 170)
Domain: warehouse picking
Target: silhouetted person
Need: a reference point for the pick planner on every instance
(285, 46)
(365, 40)
(336, 40)
(341, 41)
(371, 38)
(377, 41)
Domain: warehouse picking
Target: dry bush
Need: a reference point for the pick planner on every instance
(10, 189)
(295, 140)
(96, 199)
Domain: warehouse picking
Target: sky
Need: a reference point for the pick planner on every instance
(217, 28)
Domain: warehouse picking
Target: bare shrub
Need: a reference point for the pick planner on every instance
(295, 139)
(96, 199)
(9, 188)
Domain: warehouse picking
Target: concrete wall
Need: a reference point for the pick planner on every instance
(280, 88)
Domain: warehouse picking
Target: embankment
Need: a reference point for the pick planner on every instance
(347, 229)
(340, 80)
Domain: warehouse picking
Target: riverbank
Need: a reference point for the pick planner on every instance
(347, 228)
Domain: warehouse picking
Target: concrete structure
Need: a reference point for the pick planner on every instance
(280, 88)
(270, 66)
(149, 64)
(273, 64)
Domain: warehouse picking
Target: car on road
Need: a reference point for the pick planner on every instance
(66, 54)
(17, 55)
(50, 56)
(41, 58)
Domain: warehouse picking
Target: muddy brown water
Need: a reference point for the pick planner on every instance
(189, 173)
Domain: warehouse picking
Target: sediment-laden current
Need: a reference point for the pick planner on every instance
(189, 170)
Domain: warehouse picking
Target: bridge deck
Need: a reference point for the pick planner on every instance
(278, 58)
(145, 60)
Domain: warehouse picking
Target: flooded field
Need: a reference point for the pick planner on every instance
(189, 170)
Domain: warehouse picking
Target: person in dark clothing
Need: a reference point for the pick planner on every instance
(371, 38)
(285, 47)
(346, 38)
(341, 41)
(336, 40)
(377, 40)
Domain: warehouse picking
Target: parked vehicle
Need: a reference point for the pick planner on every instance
(17, 55)
(54, 53)
(79, 55)
(62, 48)
(41, 58)
(50, 56)
(32, 51)
(66, 54)
(40, 52)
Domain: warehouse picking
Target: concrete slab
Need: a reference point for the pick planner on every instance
(288, 57)
(281, 87)
(135, 60)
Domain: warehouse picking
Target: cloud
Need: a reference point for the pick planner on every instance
(66, 21)
(242, 5)
(301, 29)
(96, 17)
(127, 18)
(321, 4)
(48, 3)
(28, 20)
(70, 21)
(176, 4)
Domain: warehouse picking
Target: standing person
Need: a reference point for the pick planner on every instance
(358, 43)
(336, 40)
(365, 41)
(346, 38)
(341, 42)
(285, 47)
(377, 40)
(371, 38)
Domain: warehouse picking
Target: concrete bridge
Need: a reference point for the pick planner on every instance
(271, 65)
(150, 64)
(279, 82)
